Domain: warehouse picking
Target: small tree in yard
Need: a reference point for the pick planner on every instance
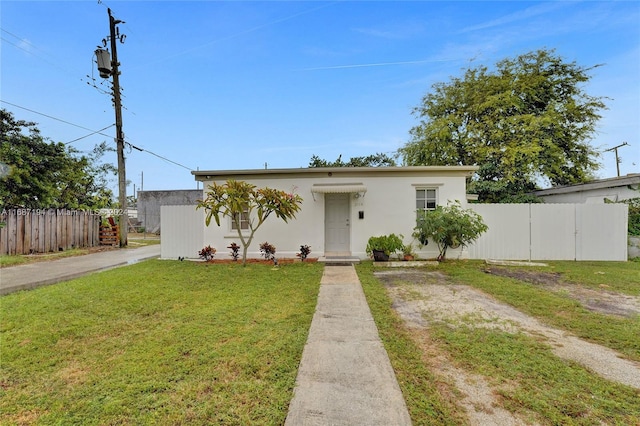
(238, 200)
(449, 226)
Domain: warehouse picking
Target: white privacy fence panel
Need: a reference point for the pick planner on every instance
(508, 234)
(182, 228)
(553, 228)
(552, 232)
(600, 233)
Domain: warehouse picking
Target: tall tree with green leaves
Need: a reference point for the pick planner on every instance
(244, 202)
(375, 160)
(527, 121)
(39, 174)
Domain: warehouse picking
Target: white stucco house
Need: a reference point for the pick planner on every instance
(342, 207)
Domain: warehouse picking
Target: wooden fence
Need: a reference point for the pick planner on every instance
(27, 231)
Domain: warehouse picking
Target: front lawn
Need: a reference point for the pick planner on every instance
(161, 342)
(427, 397)
(560, 310)
(525, 377)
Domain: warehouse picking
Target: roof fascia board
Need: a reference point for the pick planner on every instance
(605, 183)
(205, 175)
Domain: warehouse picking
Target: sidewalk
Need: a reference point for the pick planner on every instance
(345, 376)
(37, 274)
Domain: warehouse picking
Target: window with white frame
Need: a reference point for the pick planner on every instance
(244, 221)
(426, 199)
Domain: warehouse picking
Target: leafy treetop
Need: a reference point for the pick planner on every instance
(526, 121)
(39, 174)
(375, 160)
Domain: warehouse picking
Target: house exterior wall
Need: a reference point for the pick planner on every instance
(516, 232)
(388, 206)
(150, 202)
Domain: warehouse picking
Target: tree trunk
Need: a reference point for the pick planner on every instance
(245, 246)
(244, 255)
(443, 253)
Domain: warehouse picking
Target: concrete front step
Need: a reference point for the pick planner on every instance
(339, 260)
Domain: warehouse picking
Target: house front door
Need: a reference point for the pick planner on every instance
(336, 224)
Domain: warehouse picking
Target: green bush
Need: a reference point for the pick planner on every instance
(633, 227)
(634, 216)
(450, 226)
(389, 244)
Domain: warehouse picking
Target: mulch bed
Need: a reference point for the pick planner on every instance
(261, 261)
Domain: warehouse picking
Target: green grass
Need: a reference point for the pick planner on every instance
(7, 260)
(420, 388)
(159, 342)
(533, 382)
(557, 309)
(622, 277)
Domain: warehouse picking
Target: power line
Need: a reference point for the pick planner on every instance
(27, 42)
(50, 62)
(13, 44)
(23, 40)
(94, 132)
(90, 134)
(53, 118)
(160, 156)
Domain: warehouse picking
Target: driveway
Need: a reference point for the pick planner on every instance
(32, 275)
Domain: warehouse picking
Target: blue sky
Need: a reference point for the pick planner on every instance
(228, 85)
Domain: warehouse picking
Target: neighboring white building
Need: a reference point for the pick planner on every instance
(342, 207)
(594, 192)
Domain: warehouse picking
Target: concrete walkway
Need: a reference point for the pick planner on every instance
(22, 277)
(345, 377)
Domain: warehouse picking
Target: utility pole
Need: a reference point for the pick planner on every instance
(615, 148)
(110, 68)
(122, 175)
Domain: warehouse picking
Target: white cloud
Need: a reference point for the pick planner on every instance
(528, 13)
(395, 31)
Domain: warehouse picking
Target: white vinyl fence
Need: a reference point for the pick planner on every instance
(552, 232)
(182, 228)
(516, 232)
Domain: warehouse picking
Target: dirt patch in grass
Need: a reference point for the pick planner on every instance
(534, 277)
(602, 301)
(422, 298)
(472, 391)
